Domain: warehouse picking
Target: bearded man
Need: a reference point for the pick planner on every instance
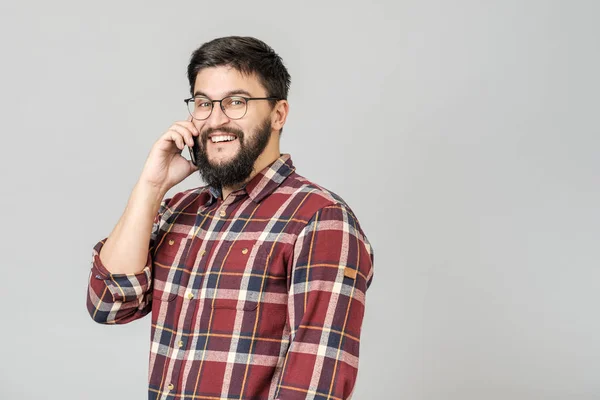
(256, 281)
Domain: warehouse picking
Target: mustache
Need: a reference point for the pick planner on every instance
(237, 132)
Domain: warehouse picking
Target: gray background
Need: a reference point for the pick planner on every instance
(463, 134)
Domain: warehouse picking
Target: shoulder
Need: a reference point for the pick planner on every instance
(314, 199)
(329, 214)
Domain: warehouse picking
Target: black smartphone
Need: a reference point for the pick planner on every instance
(193, 150)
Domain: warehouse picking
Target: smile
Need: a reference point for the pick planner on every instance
(223, 138)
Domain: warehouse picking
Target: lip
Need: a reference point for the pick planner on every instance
(222, 134)
(210, 143)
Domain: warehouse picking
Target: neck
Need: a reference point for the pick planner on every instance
(267, 158)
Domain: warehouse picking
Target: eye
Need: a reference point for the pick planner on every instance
(202, 103)
(235, 102)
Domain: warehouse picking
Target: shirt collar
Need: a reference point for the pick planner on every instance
(264, 183)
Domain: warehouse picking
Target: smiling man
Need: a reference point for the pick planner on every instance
(255, 282)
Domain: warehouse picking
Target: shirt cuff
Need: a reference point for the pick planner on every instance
(123, 287)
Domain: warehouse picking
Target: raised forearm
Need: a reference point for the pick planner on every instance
(126, 248)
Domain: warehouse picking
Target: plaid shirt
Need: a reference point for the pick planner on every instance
(258, 296)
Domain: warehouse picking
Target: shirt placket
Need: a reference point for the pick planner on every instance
(223, 208)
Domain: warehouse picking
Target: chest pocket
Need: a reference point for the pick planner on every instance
(237, 277)
(168, 266)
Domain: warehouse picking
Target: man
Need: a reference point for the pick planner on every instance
(257, 281)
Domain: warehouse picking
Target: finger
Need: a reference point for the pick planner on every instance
(185, 133)
(176, 137)
(191, 121)
(189, 125)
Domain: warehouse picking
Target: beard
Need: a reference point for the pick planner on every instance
(237, 170)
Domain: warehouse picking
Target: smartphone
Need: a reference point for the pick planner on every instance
(193, 150)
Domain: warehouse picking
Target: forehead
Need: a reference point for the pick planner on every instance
(217, 82)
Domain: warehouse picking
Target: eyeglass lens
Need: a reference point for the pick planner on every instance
(233, 107)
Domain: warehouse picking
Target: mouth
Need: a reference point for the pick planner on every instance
(223, 139)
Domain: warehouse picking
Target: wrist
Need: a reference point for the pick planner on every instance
(149, 191)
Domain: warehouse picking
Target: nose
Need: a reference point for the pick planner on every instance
(217, 117)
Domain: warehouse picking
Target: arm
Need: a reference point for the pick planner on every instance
(119, 286)
(126, 248)
(330, 273)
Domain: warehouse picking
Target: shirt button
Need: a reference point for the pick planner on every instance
(222, 213)
(171, 386)
(190, 295)
(171, 242)
(244, 251)
(180, 344)
(203, 252)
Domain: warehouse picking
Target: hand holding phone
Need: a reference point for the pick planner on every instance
(165, 166)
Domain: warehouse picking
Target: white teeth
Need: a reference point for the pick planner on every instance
(216, 139)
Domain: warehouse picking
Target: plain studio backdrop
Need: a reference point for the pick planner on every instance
(464, 134)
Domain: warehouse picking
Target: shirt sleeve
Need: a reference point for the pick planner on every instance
(331, 270)
(121, 298)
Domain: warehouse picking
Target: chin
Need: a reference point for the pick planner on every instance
(219, 160)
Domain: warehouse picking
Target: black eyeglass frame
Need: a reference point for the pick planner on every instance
(247, 99)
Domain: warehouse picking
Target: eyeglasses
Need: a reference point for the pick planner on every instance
(235, 107)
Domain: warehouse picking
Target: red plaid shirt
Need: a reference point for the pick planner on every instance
(258, 296)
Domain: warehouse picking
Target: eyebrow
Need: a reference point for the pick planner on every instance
(230, 93)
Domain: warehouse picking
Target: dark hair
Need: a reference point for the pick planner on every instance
(247, 55)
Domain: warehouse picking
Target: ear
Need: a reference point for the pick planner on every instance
(279, 114)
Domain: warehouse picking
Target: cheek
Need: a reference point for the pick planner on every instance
(248, 130)
(253, 126)
(200, 126)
